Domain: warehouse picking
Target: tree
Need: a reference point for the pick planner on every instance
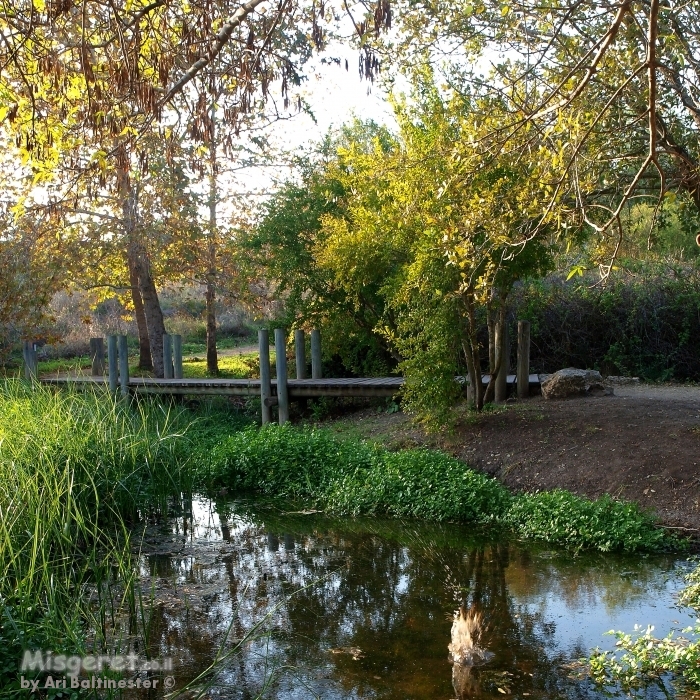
(290, 248)
(613, 88)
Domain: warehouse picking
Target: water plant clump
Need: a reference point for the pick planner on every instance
(355, 477)
(642, 658)
(75, 470)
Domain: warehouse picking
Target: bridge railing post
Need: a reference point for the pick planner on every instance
(316, 371)
(31, 363)
(300, 353)
(281, 362)
(523, 370)
(112, 362)
(177, 356)
(502, 357)
(167, 356)
(265, 388)
(123, 365)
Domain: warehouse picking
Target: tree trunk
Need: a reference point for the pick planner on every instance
(145, 361)
(152, 310)
(212, 357)
(137, 253)
(471, 351)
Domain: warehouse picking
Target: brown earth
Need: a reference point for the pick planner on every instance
(641, 444)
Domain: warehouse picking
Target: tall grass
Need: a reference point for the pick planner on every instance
(75, 470)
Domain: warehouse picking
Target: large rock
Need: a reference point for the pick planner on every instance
(573, 382)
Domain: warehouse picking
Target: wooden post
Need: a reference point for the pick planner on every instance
(281, 358)
(177, 356)
(300, 353)
(523, 369)
(502, 351)
(167, 356)
(31, 363)
(97, 355)
(112, 360)
(265, 389)
(316, 372)
(123, 365)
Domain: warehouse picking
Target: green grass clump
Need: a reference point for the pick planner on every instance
(75, 469)
(562, 518)
(349, 476)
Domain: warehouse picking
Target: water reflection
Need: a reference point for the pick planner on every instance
(365, 608)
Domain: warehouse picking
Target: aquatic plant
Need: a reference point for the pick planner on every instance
(349, 476)
(642, 658)
(75, 469)
(562, 518)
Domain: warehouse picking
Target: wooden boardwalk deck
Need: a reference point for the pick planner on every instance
(297, 388)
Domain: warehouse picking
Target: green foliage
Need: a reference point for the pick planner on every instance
(691, 594)
(645, 326)
(349, 476)
(641, 658)
(289, 247)
(605, 524)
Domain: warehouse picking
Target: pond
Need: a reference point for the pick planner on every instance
(363, 608)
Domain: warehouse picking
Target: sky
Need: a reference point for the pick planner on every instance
(334, 96)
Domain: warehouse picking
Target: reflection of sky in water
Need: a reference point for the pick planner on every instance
(387, 588)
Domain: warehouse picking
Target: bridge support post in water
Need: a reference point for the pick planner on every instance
(97, 356)
(316, 372)
(31, 363)
(177, 356)
(300, 353)
(502, 354)
(281, 361)
(523, 369)
(123, 365)
(265, 389)
(112, 360)
(167, 356)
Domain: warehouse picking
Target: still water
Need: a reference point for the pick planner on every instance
(363, 608)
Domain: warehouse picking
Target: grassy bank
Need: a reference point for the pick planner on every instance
(355, 477)
(76, 470)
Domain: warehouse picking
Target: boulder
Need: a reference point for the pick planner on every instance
(573, 382)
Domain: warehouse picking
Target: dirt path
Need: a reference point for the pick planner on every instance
(641, 444)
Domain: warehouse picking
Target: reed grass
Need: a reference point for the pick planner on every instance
(76, 469)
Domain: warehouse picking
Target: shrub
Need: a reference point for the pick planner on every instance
(645, 326)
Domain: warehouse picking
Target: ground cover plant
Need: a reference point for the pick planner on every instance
(349, 476)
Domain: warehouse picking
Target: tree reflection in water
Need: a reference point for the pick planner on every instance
(383, 587)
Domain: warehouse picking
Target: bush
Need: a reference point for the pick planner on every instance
(645, 326)
(560, 517)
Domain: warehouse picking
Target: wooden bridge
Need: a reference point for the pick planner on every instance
(296, 388)
(278, 391)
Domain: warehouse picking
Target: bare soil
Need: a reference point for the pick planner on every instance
(641, 444)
